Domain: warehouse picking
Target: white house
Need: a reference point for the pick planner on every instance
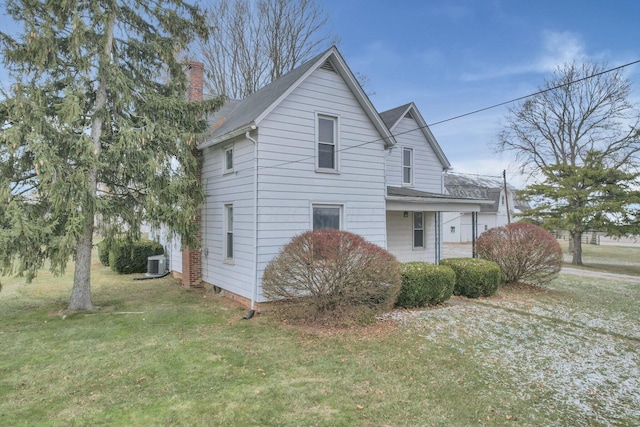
(458, 226)
(310, 151)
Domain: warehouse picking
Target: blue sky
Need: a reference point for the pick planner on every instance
(451, 57)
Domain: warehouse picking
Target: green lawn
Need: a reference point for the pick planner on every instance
(614, 259)
(157, 354)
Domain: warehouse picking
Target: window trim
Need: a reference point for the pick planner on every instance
(339, 206)
(228, 221)
(226, 170)
(414, 229)
(411, 166)
(336, 142)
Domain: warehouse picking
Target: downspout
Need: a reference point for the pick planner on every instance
(386, 232)
(254, 294)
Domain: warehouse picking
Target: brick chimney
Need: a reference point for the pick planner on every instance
(192, 258)
(195, 77)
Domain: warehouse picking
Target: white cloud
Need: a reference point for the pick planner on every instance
(557, 48)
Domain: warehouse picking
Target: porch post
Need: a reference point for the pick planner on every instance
(438, 224)
(474, 233)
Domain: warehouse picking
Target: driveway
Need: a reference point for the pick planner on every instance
(461, 250)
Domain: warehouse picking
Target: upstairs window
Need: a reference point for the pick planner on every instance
(228, 160)
(407, 166)
(327, 143)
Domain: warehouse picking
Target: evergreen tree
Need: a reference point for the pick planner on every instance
(579, 136)
(585, 198)
(96, 123)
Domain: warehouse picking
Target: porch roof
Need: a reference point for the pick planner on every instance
(408, 199)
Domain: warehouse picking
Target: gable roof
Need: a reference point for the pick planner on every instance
(461, 185)
(241, 116)
(392, 117)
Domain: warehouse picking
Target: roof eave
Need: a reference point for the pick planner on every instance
(227, 136)
(414, 199)
(363, 99)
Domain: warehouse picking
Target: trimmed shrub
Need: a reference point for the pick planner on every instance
(333, 272)
(525, 252)
(424, 283)
(474, 277)
(104, 247)
(131, 257)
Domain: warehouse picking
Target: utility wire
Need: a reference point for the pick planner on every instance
(500, 104)
(536, 93)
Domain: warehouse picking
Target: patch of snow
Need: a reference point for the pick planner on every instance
(594, 372)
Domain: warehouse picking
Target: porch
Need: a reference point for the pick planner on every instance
(414, 222)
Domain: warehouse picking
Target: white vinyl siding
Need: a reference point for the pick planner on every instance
(463, 225)
(234, 189)
(400, 237)
(289, 185)
(426, 167)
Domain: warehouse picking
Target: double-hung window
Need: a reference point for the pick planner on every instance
(228, 160)
(327, 217)
(418, 230)
(228, 232)
(327, 146)
(407, 166)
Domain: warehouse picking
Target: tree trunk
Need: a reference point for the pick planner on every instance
(81, 293)
(577, 248)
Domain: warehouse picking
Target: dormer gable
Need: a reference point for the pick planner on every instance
(409, 111)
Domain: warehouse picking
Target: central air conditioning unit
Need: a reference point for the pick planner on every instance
(156, 265)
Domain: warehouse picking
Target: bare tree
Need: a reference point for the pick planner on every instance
(254, 43)
(580, 135)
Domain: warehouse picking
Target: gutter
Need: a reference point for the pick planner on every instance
(234, 133)
(415, 199)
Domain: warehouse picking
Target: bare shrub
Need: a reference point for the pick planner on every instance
(333, 271)
(525, 252)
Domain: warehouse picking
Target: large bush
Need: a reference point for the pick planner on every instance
(126, 257)
(525, 252)
(424, 283)
(333, 272)
(474, 277)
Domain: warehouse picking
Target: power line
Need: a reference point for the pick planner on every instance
(537, 93)
(500, 104)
